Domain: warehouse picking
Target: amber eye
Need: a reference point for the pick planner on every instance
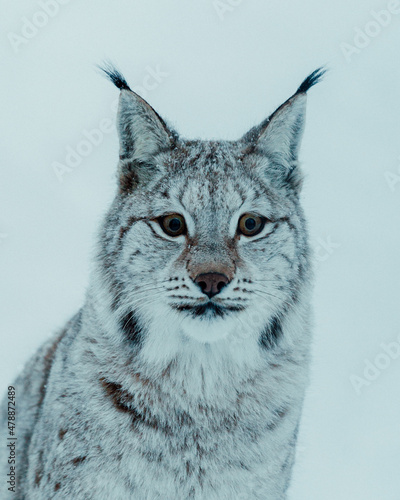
(251, 224)
(173, 224)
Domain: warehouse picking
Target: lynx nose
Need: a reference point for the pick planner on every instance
(211, 283)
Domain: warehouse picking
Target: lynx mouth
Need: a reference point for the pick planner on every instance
(208, 310)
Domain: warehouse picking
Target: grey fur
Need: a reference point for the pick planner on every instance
(142, 396)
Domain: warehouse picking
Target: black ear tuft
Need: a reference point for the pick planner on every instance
(311, 80)
(114, 75)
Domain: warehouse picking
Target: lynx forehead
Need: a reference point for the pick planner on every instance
(183, 375)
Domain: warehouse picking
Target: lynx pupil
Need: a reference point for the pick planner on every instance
(175, 225)
(250, 224)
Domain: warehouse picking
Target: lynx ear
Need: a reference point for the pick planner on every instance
(279, 136)
(142, 135)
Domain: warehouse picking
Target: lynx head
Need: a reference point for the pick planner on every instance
(205, 242)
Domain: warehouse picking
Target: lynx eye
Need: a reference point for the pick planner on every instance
(173, 224)
(251, 224)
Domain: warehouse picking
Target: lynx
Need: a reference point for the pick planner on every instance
(184, 373)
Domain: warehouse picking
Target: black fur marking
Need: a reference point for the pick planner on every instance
(279, 416)
(315, 77)
(129, 325)
(123, 401)
(209, 309)
(271, 334)
(115, 76)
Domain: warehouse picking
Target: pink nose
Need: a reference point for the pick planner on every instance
(211, 283)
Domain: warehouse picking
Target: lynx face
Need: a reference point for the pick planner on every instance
(206, 240)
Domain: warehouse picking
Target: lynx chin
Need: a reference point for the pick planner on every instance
(183, 374)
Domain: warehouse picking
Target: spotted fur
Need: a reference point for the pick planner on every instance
(153, 390)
